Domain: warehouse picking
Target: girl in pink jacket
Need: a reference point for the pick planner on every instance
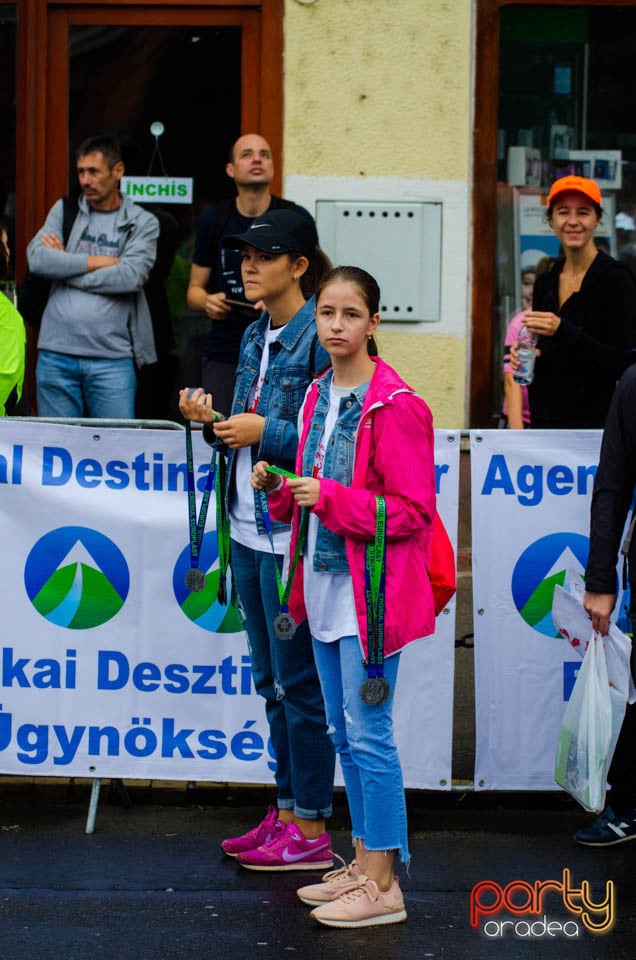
(362, 504)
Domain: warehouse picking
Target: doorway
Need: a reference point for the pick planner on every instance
(119, 68)
(554, 77)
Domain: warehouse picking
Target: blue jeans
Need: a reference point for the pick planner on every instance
(363, 737)
(284, 673)
(70, 386)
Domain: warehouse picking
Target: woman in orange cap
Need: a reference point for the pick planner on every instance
(584, 314)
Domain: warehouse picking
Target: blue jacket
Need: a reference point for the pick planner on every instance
(294, 359)
(331, 552)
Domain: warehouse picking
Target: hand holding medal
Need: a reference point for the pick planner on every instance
(197, 405)
(284, 625)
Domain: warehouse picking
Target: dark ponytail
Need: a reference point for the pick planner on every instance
(319, 267)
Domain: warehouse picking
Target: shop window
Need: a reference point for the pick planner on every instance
(567, 86)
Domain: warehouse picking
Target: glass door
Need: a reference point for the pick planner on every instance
(192, 72)
(119, 68)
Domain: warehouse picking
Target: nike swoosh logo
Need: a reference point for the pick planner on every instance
(292, 857)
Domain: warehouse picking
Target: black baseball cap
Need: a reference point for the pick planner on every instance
(278, 231)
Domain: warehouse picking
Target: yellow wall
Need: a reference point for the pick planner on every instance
(382, 90)
(377, 87)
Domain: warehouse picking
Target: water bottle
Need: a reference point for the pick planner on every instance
(527, 341)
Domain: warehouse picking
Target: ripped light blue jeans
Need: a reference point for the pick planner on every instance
(363, 737)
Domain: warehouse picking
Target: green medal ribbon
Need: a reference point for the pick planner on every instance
(281, 472)
(284, 589)
(375, 688)
(195, 579)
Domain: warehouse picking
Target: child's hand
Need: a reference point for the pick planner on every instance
(197, 405)
(241, 429)
(306, 490)
(262, 480)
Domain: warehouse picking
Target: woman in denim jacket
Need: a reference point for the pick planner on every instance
(279, 354)
(364, 435)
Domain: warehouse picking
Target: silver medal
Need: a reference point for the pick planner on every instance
(375, 690)
(195, 580)
(284, 626)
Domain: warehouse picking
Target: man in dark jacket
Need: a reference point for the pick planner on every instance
(611, 500)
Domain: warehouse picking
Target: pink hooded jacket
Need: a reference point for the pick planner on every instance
(394, 456)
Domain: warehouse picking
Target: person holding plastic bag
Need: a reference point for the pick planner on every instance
(611, 500)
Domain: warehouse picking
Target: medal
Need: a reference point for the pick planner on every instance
(375, 690)
(284, 626)
(195, 579)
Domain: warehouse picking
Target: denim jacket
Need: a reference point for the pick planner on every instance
(294, 359)
(394, 457)
(330, 553)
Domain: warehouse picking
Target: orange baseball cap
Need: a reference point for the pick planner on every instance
(588, 188)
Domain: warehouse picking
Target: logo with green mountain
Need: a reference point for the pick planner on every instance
(76, 578)
(544, 564)
(203, 607)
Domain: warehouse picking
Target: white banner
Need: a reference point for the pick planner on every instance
(423, 706)
(109, 666)
(531, 493)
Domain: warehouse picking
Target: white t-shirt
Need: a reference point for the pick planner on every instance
(242, 519)
(328, 596)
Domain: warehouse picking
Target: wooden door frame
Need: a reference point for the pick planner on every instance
(42, 148)
(484, 195)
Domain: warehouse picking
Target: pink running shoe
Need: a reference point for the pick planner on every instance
(333, 884)
(289, 850)
(265, 831)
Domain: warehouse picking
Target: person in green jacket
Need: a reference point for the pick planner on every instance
(12, 340)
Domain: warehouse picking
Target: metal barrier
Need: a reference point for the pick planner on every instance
(104, 422)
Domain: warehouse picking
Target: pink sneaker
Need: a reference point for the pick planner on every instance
(363, 904)
(266, 829)
(333, 884)
(289, 850)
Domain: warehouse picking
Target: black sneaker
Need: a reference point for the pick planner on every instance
(608, 829)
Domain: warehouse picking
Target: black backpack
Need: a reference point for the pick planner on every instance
(33, 292)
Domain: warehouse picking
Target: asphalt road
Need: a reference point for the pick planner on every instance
(152, 884)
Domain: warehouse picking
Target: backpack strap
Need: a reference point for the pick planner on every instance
(223, 212)
(69, 205)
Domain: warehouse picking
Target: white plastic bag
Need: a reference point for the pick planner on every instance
(573, 622)
(589, 730)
